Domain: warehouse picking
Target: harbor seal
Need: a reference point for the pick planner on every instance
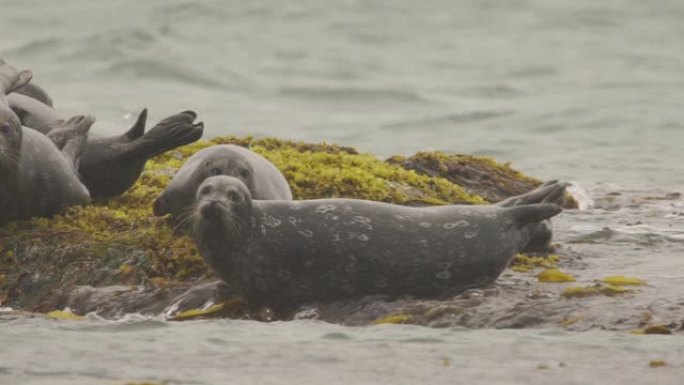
(261, 177)
(284, 254)
(111, 164)
(37, 178)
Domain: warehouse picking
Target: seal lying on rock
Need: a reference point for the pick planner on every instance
(284, 254)
(112, 163)
(262, 178)
(36, 177)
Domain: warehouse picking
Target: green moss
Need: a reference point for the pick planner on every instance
(120, 241)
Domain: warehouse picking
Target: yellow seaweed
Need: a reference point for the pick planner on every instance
(657, 329)
(525, 262)
(64, 315)
(554, 275)
(196, 313)
(620, 280)
(657, 363)
(393, 319)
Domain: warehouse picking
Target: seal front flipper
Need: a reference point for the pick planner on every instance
(71, 136)
(170, 133)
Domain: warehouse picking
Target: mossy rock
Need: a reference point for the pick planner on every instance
(119, 241)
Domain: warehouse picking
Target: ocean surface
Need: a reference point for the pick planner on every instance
(587, 91)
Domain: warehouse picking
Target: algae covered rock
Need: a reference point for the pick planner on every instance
(120, 242)
(477, 175)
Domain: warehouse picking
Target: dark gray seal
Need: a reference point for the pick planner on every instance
(37, 178)
(261, 177)
(111, 164)
(284, 254)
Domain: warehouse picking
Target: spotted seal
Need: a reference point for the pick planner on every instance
(111, 164)
(37, 173)
(283, 254)
(261, 177)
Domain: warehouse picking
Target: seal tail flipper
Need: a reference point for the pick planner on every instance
(138, 128)
(549, 192)
(11, 79)
(174, 131)
(71, 136)
(534, 213)
(36, 92)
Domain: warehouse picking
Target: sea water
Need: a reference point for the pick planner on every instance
(579, 90)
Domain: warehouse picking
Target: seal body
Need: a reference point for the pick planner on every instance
(283, 254)
(36, 177)
(111, 164)
(47, 181)
(261, 177)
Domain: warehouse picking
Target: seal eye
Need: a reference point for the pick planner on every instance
(233, 196)
(244, 174)
(205, 190)
(5, 128)
(215, 171)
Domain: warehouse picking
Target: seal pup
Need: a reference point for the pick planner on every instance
(111, 164)
(262, 178)
(37, 178)
(283, 254)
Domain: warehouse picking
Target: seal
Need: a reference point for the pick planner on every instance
(111, 164)
(284, 254)
(37, 178)
(262, 178)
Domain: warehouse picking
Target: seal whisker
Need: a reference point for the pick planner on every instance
(185, 218)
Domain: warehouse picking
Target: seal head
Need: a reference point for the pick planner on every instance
(261, 178)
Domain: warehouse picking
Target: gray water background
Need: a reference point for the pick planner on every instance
(582, 90)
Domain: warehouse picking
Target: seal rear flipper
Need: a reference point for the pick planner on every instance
(36, 92)
(11, 79)
(549, 192)
(534, 213)
(138, 128)
(71, 136)
(172, 132)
